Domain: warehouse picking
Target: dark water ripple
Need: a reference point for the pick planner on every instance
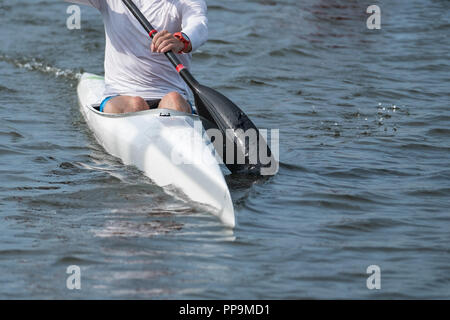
(364, 149)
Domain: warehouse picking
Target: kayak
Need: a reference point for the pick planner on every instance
(170, 147)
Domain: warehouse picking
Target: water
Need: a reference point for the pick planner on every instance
(364, 147)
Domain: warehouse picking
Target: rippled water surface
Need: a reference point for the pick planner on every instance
(364, 148)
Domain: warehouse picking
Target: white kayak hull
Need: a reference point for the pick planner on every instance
(170, 147)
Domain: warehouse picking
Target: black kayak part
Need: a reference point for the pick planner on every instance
(220, 110)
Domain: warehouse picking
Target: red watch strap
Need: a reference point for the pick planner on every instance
(180, 37)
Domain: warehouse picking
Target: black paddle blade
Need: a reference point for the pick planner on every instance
(241, 146)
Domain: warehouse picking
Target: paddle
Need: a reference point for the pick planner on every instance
(217, 108)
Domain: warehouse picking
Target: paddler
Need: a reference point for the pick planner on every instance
(137, 74)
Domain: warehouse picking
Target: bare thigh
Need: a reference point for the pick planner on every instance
(175, 101)
(123, 104)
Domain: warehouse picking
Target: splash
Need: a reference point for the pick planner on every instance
(33, 64)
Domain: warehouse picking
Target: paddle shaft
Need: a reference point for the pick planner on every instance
(184, 73)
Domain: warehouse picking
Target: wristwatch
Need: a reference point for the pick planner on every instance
(183, 38)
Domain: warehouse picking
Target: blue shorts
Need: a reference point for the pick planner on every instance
(153, 104)
(102, 105)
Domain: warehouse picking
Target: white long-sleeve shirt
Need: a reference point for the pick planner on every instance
(130, 67)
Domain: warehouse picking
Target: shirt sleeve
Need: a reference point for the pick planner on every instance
(93, 3)
(194, 21)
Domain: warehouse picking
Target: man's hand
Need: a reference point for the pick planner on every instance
(164, 41)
